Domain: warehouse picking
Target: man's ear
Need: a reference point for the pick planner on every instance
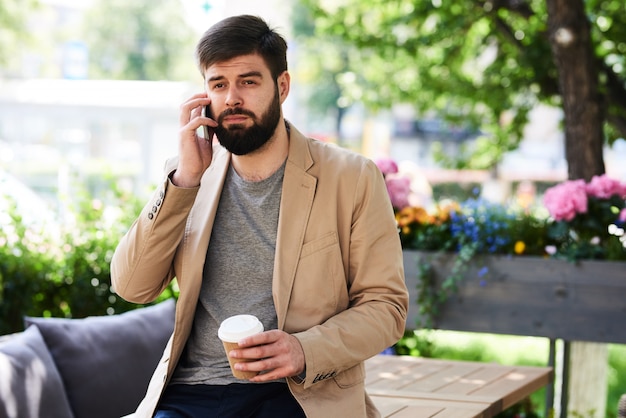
(284, 83)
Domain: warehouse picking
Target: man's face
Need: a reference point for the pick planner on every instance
(245, 101)
(242, 140)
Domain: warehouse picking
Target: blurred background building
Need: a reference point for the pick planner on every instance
(59, 122)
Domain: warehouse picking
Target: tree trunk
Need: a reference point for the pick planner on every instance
(575, 61)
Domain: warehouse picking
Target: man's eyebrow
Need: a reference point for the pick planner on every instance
(216, 78)
(251, 74)
(244, 75)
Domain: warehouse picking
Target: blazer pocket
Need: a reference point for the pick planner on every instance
(319, 244)
(319, 289)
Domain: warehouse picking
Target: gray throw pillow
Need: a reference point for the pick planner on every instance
(106, 361)
(30, 385)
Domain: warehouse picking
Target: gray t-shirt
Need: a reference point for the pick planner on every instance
(237, 276)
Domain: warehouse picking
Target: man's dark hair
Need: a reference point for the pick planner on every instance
(242, 35)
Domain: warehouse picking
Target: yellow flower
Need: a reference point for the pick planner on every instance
(422, 216)
(444, 208)
(411, 214)
(405, 217)
(519, 247)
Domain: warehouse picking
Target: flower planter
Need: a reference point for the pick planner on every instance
(529, 296)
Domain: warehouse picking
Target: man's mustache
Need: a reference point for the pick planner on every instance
(235, 111)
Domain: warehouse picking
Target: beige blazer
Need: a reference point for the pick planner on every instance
(338, 282)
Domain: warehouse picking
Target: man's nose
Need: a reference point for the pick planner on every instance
(233, 98)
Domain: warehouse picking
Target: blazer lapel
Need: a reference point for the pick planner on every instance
(295, 207)
(202, 216)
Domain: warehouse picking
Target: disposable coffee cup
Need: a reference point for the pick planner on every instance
(234, 329)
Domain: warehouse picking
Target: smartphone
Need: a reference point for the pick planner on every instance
(205, 128)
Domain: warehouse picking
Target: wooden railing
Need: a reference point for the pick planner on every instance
(530, 296)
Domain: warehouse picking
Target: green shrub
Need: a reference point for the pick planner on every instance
(28, 268)
(456, 191)
(617, 376)
(64, 271)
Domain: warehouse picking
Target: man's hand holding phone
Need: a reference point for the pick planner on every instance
(194, 151)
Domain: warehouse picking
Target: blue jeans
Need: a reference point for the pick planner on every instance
(237, 400)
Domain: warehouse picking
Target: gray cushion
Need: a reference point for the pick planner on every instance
(30, 384)
(106, 361)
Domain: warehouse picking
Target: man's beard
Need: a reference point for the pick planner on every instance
(240, 140)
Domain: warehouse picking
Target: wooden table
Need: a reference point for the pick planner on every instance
(405, 386)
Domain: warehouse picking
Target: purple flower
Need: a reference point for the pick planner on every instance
(564, 201)
(399, 189)
(603, 187)
(387, 166)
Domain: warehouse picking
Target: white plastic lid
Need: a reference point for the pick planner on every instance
(237, 327)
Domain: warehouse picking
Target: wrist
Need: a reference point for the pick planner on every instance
(179, 180)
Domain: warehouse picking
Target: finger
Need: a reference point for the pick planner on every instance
(192, 107)
(261, 366)
(268, 373)
(208, 121)
(266, 377)
(196, 122)
(266, 337)
(202, 121)
(252, 353)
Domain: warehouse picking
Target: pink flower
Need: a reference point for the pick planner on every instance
(565, 200)
(603, 187)
(622, 216)
(399, 189)
(387, 166)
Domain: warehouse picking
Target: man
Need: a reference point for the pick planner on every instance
(269, 223)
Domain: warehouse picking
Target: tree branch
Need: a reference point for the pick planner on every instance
(548, 84)
(614, 86)
(520, 7)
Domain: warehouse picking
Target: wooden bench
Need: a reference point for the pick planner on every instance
(405, 386)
